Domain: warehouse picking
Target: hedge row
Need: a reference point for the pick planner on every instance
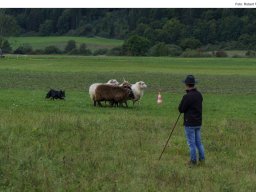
(159, 49)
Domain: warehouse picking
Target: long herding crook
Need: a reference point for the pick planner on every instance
(169, 136)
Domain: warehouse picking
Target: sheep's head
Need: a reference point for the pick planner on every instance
(113, 82)
(141, 85)
(126, 84)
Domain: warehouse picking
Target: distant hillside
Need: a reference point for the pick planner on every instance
(156, 32)
(157, 25)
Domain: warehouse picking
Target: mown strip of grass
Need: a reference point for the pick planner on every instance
(61, 41)
(207, 66)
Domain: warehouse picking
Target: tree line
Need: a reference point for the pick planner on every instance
(166, 29)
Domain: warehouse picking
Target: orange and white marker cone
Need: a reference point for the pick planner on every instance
(159, 98)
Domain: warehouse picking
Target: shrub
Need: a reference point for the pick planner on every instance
(24, 49)
(221, 54)
(100, 52)
(250, 53)
(52, 50)
(83, 50)
(136, 46)
(70, 46)
(190, 43)
(195, 53)
(116, 51)
(5, 46)
(160, 49)
(237, 56)
(38, 52)
(74, 52)
(175, 50)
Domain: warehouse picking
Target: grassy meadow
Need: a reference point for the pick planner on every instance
(72, 146)
(61, 41)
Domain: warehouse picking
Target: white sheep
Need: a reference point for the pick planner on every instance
(138, 90)
(93, 87)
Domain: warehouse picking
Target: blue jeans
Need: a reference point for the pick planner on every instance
(194, 141)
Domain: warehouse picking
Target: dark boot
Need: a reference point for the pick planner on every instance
(191, 163)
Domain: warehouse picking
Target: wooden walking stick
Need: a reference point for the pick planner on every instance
(169, 136)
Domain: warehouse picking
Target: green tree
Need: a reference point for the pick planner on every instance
(86, 30)
(175, 30)
(64, 22)
(5, 45)
(136, 45)
(190, 43)
(205, 31)
(174, 50)
(70, 46)
(150, 34)
(8, 25)
(160, 49)
(212, 34)
(83, 50)
(161, 35)
(219, 27)
(230, 28)
(141, 28)
(51, 50)
(46, 28)
(245, 39)
(24, 49)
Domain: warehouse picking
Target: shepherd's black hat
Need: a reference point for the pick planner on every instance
(190, 79)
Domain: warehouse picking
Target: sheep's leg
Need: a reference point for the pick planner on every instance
(99, 103)
(94, 103)
(112, 103)
(126, 104)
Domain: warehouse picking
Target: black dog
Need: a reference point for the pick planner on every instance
(53, 94)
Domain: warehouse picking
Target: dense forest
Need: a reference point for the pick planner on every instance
(178, 28)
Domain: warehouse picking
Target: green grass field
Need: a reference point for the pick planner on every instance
(72, 146)
(61, 41)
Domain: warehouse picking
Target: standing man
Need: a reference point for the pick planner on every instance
(191, 106)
